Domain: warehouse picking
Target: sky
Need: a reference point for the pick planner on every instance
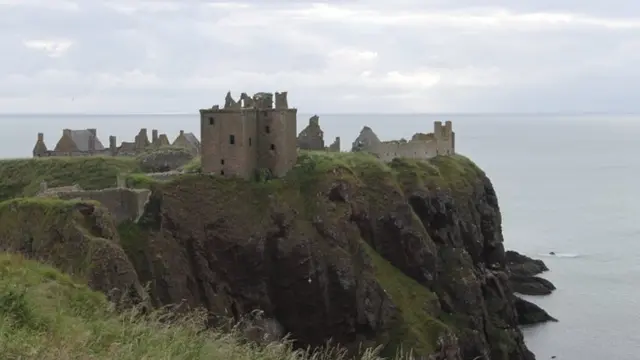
(381, 56)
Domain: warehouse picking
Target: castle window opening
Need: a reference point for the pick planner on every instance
(267, 129)
(211, 121)
(221, 172)
(232, 139)
(273, 146)
(249, 141)
(221, 161)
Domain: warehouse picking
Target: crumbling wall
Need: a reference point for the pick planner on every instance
(390, 150)
(49, 153)
(335, 146)
(421, 146)
(123, 204)
(312, 136)
(366, 141)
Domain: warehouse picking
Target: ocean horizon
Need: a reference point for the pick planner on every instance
(566, 183)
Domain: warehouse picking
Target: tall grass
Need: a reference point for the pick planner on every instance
(44, 315)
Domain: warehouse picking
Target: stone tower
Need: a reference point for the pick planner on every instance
(248, 136)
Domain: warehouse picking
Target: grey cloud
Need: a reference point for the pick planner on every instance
(571, 67)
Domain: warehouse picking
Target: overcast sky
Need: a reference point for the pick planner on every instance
(340, 56)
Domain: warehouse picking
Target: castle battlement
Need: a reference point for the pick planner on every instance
(250, 135)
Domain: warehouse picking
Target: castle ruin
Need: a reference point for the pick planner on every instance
(86, 143)
(421, 146)
(248, 136)
(123, 203)
(312, 137)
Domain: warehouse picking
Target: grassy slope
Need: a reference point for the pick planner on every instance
(22, 177)
(44, 315)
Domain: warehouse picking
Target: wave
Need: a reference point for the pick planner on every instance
(561, 255)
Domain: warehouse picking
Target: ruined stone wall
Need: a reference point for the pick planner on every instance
(312, 136)
(421, 146)
(123, 204)
(335, 146)
(50, 153)
(228, 141)
(390, 150)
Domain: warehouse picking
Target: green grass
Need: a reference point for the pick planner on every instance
(193, 166)
(45, 315)
(22, 177)
(455, 173)
(420, 329)
(18, 230)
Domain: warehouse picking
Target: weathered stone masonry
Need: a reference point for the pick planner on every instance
(86, 143)
(312, 137)
(421, 146)
(124, 204)
(249, 136)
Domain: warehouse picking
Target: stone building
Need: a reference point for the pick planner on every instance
(421, 146)
(86, 143)
(249, 136)
(188, 141)
(312, 137)
(72, 142)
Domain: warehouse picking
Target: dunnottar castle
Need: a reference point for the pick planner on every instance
(252, 135)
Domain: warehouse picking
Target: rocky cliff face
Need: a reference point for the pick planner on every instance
(408, 255)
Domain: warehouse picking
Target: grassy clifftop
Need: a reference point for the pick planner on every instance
(22, 177)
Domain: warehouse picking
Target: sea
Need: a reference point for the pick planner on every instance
(566, 183)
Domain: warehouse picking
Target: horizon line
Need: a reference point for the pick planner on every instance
(550, 113)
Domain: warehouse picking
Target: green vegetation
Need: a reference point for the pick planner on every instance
(77, 238)
(167, 148)
(193, 166)
(420, 329)
(22, 177)
(44, 315)
(456, 173)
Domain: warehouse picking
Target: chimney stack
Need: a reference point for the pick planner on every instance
(40, 137)
(66, 132)
(92, 142)
(181, 132)
(112, 145)
(93, 131)
(154, 136)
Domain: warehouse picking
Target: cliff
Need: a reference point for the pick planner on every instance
(79, 238)
(409, 254)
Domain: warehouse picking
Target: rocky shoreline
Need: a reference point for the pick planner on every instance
(523, 279)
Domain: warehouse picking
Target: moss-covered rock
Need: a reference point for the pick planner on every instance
(22, 177)
(78, 237)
